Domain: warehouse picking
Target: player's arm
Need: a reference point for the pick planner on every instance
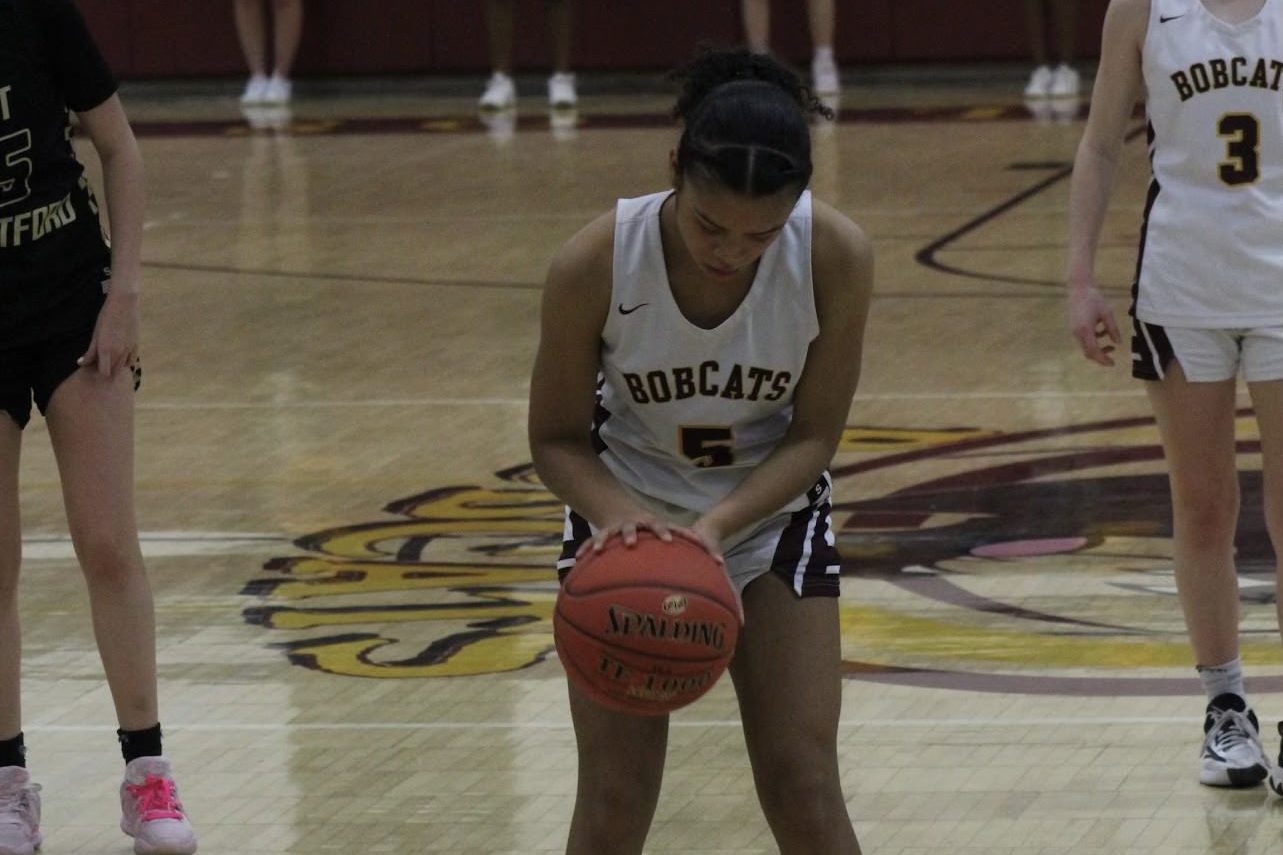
(842, 270)
(116, 335)
(1119, 82)
(563, 387)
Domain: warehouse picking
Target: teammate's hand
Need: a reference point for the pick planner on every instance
(1091, 321)
(115, 340)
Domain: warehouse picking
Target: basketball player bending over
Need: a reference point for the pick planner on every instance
(1207, 302)
(710, 335)
(69, 337)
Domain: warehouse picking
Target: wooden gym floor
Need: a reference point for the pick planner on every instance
(353, 562)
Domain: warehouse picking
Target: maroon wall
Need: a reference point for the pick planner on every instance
(180, 38)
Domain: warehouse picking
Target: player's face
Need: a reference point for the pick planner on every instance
(726, 232)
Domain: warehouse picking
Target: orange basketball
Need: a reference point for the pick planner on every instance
(646, 629)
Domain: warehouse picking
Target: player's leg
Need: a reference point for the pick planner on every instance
(789, 687)
(1064, 21)
(501, 90)
(757, 24)
(1065, 81)
(824, 69)
(251, 30)
(561, 85)
(287, 18)
(1196, 422)
(787, 678)
(621, 765)
(19, 797)
(1039, 85)
(91, 423)
(1263, 366)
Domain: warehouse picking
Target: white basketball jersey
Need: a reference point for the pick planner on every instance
(685, 413)
(1212, 244)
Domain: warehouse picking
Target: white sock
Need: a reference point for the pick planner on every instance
(824, 54)
(1219, 679)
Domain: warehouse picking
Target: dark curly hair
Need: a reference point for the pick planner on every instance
(745, 122)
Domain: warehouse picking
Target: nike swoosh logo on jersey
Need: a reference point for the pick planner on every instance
(1163, 19)
(624, 311)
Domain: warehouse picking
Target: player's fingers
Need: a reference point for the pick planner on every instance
(1111, 327)
(629, 531)
(1087, 343)
(701, 540)
(660, 529)
(91, 353)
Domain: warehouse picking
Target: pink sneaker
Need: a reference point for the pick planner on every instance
(19, 812)
(151, 812)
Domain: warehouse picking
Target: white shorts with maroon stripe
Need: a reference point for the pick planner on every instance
(1207, 355)
(798, 547)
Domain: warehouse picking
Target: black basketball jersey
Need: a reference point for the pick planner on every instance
(49, 228)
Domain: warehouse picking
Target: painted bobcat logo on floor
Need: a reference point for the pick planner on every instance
(939, 569)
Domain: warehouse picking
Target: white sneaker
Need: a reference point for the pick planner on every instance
(254, 90)
(151, 812)
(561, 90)
(1232, 754)
(277, 91)
(19, 812)
(1064, 82)
(1039, 85)
(824, 77)
(500, 94)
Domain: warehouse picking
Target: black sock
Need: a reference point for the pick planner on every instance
(13, 752)
(140, 743)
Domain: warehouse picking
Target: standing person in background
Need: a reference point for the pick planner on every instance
(824, 69)
(69, 338)
(252, 28)
(501, 90)
(1206, 302)
(1046, 81)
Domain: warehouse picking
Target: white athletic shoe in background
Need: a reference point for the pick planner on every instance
(1039, 85)
(824, 77)
(1064, 82)
(278, 90)
(254, 90)
(561, 90)
(19, 812)
(500, 94)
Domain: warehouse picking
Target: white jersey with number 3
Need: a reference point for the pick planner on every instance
(1211, 252)
(685, 413)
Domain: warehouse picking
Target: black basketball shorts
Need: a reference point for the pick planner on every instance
(34, 369)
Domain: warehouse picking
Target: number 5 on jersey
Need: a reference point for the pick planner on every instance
(708, 446)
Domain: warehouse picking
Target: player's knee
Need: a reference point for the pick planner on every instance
(624, 804)
(804, 786)
(1208, 516)
(108, 559)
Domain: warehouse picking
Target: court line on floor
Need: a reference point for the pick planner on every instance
(521, 402)
(985, 722)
